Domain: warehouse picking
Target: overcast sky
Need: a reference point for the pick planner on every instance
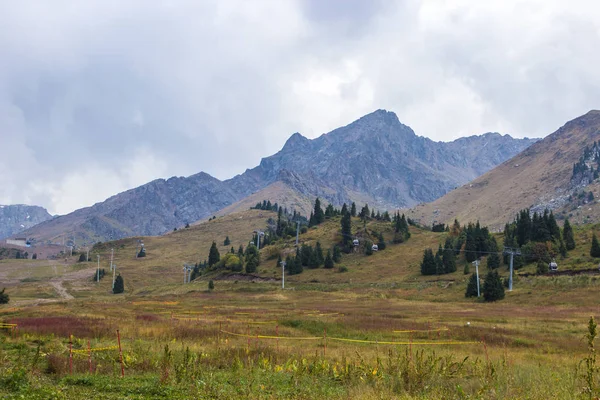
(97, 97)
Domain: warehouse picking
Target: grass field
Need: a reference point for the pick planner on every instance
(379, 330)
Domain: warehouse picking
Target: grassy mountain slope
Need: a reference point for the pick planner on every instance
(536, 176)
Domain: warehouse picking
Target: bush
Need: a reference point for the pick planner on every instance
(4, 299)
(542, 268)
(211, 285)
(82, 258)
(342, 269)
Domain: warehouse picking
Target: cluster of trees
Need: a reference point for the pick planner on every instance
(493, 287)
(307, 256)
(444, 261)
(99, 275)
(248, 259)
(538, 236)
(581, 170)
(20, 255)
(4, 298)
(477, 242)
(266, 206)
(401, 233)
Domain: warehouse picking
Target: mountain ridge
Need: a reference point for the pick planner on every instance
(375, 159)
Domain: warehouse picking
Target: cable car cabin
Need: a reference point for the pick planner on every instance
(375, 247)
(355, 242)
(553, 266)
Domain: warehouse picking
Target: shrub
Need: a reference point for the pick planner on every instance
(492, 287)
(211, 285)
(4, 299)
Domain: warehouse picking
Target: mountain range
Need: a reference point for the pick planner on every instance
(375, 159)
(541, 177)
(18, 217)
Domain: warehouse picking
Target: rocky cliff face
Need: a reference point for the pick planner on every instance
(375, 159)
(17, 218)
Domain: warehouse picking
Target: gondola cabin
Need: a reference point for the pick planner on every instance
(355, 242)
(375, 247)
(553, 266)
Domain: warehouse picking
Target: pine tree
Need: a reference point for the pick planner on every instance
(595, 250)
(81, 258)
(428, 266)
(119, 285)
(328, 260)
(369, 248)
(319, 254)
(337, 254)
(380, 242)
(211, 285)
(353, 210)
(213, 255)
(448, 257)
(232, 251)
(472, 286)
(305, 255)
(251, 265)
(318, 214)
(346, 229)
(492, 287)
(568, 235)
(493, 261)
(4, 298)
(344, 209)
(226, 242)
(439, 264)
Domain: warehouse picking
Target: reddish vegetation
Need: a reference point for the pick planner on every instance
(64, 326)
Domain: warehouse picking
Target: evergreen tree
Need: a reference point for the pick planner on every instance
(232, 251)
(319, 254)
(318, 214)
(448, 257)
(278, 261)
(369, 248)
(251, 264)
(119, 285)
(328, 260)
(226, 242)
(472, 286)
(34, 256)
(4, 298)
(305, 254)
(562, 249)
(313, 260)
(353, 210)
(595, 250)
(18, 255)
(380, 241)
(568, 235)
(337, 254)
(439, 264)
(240, 251)
(346, 229)
(344, 209)
(252, 252)
(493, 261)
(82, 258)
(492, 287)
(211, 285)
(213, 255)
(428, 266)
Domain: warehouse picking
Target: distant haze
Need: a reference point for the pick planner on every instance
(100, 96)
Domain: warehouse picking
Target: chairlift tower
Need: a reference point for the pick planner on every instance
(476, 264)
(282, 274)
(258, 235)
(187, 273)
(512, 252)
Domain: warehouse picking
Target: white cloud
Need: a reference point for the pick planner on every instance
(117, 93)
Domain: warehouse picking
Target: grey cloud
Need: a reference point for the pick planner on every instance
(89, 90)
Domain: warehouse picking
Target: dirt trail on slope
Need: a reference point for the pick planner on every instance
(60, 289)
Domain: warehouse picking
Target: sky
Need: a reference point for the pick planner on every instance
(100, 96)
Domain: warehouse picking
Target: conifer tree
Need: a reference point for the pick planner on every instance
(278, 261)
(428, 266)
(305, 254)
(213, 255)
(448, 257)
(318, 214)
(337, 254)
(344, 209)
(368, 248)
(492, 287)
(439, 264)
(353, 210)
(119, 285)
(4, 298)
(232, 250)
(328, 260)
(595, 250)
(346, 229)
(211, 285)
(251, 265)
(568, 235)
(472, 286)
(380, 241)
(226, 242)
(319, 254)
